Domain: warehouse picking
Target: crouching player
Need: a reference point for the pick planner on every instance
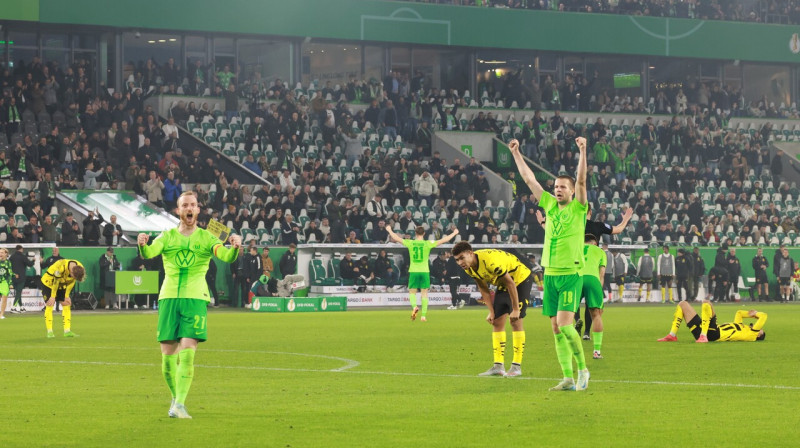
(514, 281)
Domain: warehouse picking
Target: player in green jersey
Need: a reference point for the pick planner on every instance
(562, 258)
(183, 300)
(419, 276)
(5, 280)
(593, 271)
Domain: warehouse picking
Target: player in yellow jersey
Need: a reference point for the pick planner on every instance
(513, 280)
(704, 327)
(57, 282)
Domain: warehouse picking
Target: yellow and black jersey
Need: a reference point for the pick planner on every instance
(493, 264)
(739, 332)
(58, 276)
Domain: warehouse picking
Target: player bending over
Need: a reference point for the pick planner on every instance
(183, 300)
(419, 274)
(57, 283)
(514, 282)
(704, 328)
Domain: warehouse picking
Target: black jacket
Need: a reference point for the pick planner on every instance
(288, 263)
(684, 265)
(108, 233)
(19, 263)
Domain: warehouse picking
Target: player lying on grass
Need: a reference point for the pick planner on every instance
(514, 281)
(704, 328)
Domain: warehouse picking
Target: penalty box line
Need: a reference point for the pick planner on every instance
(412, 374)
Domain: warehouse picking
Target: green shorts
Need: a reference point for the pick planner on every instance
(182, 318)
(561, 293)
(4, 288)
(419, 280)
(592, 291)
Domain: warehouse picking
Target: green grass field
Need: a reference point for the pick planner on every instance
(375, 379)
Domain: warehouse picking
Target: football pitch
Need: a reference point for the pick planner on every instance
(376, 379)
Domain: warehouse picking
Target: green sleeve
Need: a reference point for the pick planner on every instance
(547, 201)
(155, 248)
(226, 254)
(406, 243)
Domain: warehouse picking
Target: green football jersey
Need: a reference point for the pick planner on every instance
(185, 262)
(6, 274)
(593, 259)
(419, 252)
(563, 237)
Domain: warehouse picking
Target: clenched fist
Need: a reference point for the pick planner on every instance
(581, 142)
(513, 146)
(142, 239)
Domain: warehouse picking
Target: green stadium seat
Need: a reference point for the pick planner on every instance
(333, 265)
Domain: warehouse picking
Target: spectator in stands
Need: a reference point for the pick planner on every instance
(289, 231)
(154, 189)
(172, 190)
(424, 137)
(288, 262)
(32, 231)
(481, 187)
(375, 210)
(312, 233)
(231, 102)
(426, 188)
(91, 228)
(113, 232)
(49, 233)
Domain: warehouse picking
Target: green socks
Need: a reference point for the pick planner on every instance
(424, 305)
(597, 339)
(185, 374)
(412, 297)
(169, 367)
(564, 354)
(574, 341)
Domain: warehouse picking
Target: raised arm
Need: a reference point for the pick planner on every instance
(152, 250)
(228, 255)
(580, 181)
(447, 238)
(393, 236)
(761, 316)
(525, 171)
(625, 218)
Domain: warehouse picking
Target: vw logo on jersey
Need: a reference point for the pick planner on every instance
(559, 222)
(185, 258)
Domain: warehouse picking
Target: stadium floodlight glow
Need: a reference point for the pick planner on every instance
(151, 41)
(494, 62)
(162, 40)
(173, 40)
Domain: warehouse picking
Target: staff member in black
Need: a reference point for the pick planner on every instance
(19, 266)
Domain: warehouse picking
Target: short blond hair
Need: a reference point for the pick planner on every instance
(3, 250)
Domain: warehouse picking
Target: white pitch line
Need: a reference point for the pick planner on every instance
(348, 363)
(430, 375)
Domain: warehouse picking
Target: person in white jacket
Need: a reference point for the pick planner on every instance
(426, 188)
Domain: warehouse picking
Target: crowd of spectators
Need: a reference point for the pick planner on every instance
(760, 11)
(662, 168)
